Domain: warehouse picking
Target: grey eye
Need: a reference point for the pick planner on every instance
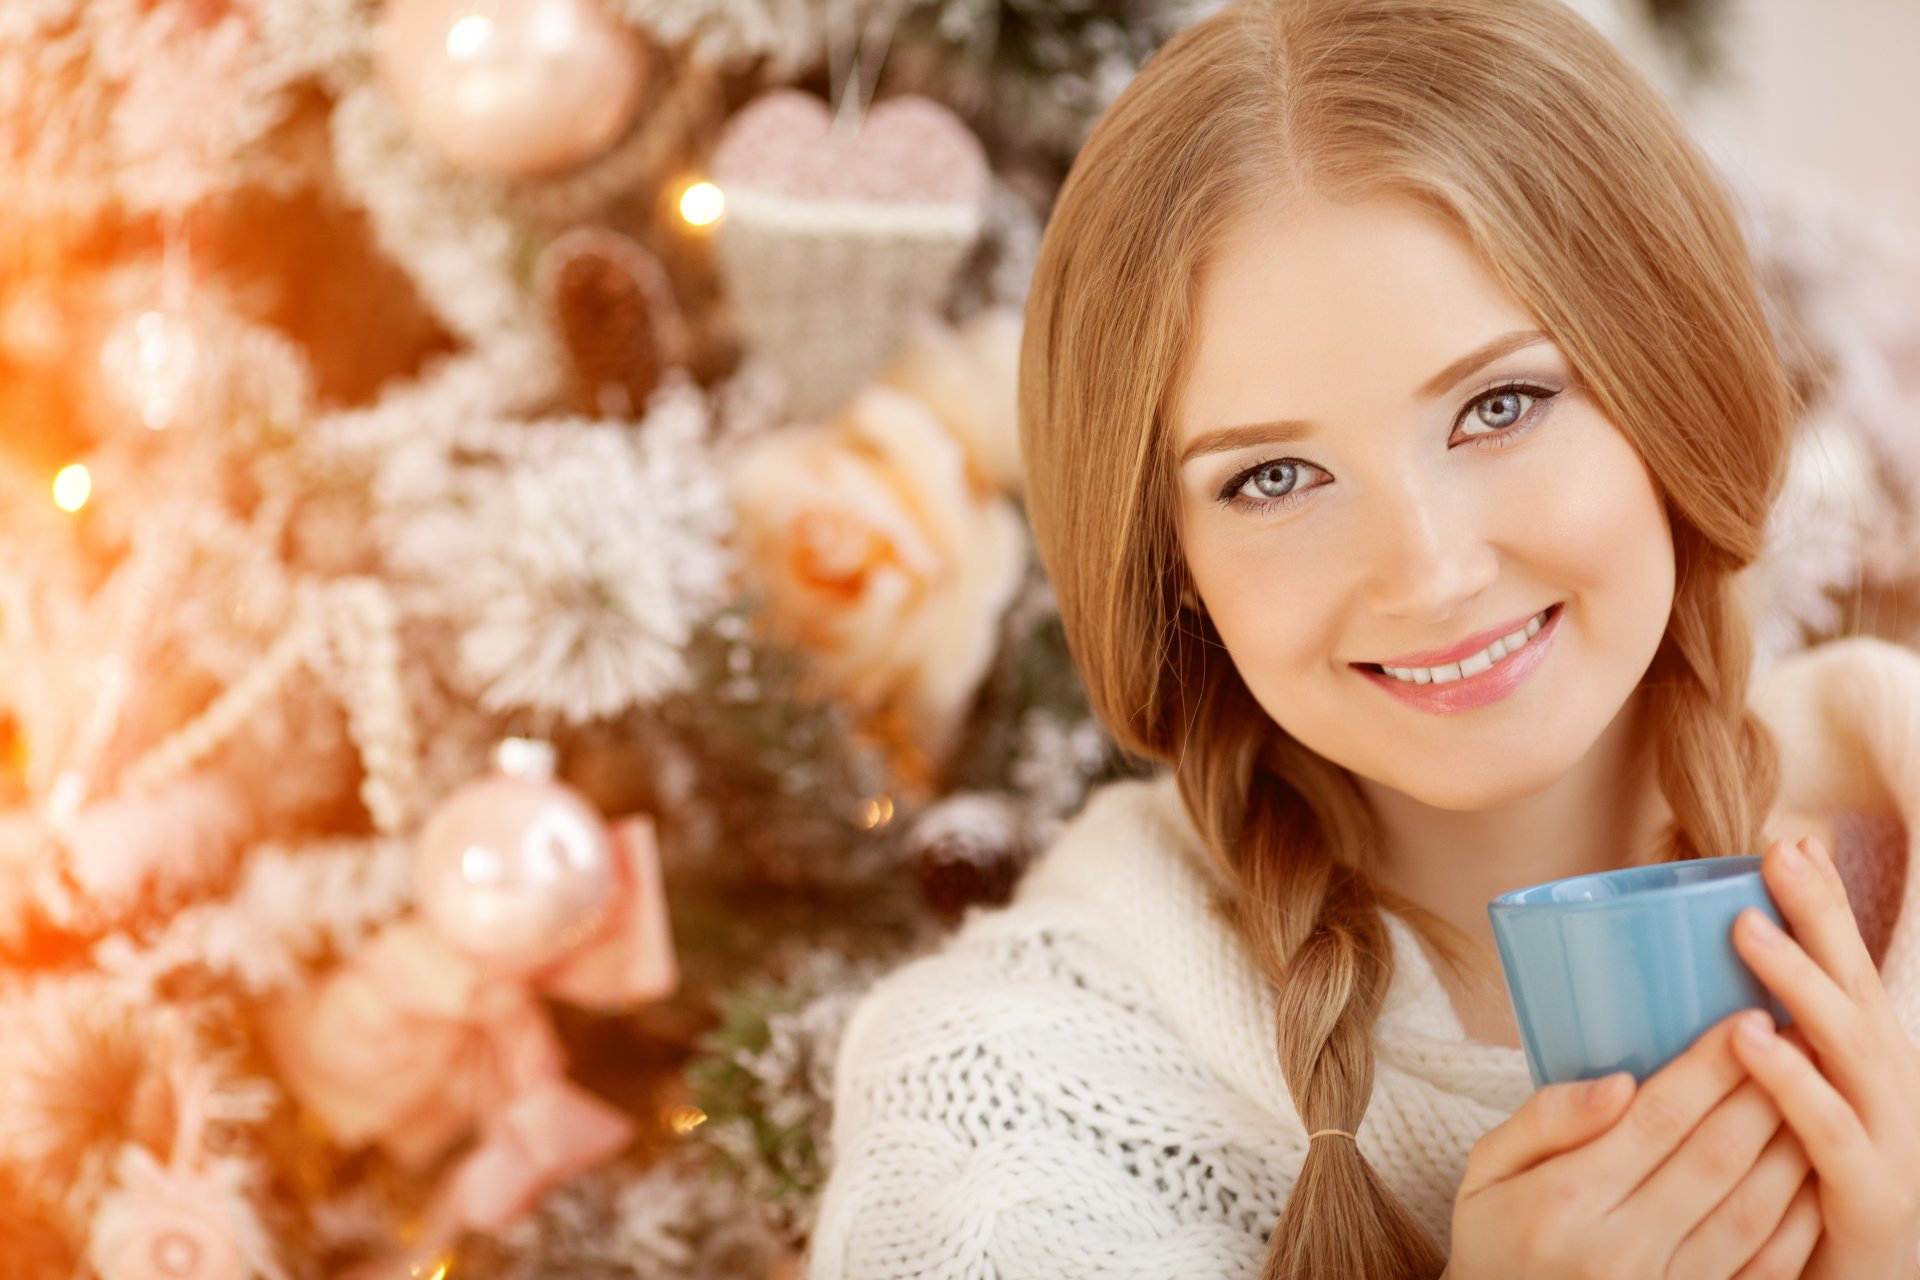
(1275, 480)
(1502, 409)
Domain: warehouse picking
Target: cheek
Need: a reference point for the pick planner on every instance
(1273, 600)
(1277, 608)
(1593, 526)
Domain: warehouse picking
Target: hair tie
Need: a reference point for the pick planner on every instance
(1342, 1132)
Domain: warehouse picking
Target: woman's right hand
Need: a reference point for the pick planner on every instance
(1691, 1175)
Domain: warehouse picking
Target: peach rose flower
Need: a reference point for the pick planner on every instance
(969, 377)
(879, 553)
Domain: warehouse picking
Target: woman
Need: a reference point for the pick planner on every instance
(1398, 411)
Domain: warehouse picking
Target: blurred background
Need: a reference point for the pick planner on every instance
(514, 600)
(1822, 94)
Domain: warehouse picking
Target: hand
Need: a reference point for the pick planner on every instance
(1849, 1084)
(1693, 1174)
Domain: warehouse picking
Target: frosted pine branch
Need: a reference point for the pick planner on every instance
(293, 905)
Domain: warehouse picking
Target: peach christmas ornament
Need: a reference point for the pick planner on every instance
(414, 1044)
(836, 236)
(515, 869)
(511, 88)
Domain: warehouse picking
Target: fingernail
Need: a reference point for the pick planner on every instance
(1797, 859)
(1605, 1089)
(1816, 853)
(1761, 929)
(1755, 1030)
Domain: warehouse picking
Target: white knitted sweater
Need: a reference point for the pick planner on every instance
(1084, 1083)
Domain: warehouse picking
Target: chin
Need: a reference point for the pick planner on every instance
(1466, 788)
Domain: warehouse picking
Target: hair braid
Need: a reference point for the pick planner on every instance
(1267, 807)
(1718, 765)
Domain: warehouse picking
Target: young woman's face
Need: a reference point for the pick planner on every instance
(1380, 459)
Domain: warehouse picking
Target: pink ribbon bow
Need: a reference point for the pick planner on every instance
(410, 1044)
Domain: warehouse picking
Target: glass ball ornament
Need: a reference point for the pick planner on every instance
(516, 869)
(511, 88)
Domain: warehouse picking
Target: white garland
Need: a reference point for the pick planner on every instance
(444, 228)
(129, 103)
(293, 904)
(362, 660)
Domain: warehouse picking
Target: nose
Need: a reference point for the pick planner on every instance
(1424, 552)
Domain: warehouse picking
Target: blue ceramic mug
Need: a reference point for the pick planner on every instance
(1622, 970)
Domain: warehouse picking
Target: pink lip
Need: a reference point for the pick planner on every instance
(1465, 649)
(1491, 685)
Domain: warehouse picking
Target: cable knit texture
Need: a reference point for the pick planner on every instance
(1084, 1082)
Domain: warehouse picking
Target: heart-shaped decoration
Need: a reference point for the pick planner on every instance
(907, 150)
(835, 237)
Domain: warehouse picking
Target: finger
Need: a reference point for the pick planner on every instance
(1825, 1122)
(1663, 1112)
(1813, 901)
(1786, 1253)
(1556, 1118)
(1707, 1181)
(1856, 973)
(1747, 1217)
(1834, 1022)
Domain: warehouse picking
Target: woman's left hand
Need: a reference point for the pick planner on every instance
(1857, 1113)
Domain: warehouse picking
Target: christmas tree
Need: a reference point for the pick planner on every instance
(515, 607)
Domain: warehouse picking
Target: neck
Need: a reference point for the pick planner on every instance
(1606, 812)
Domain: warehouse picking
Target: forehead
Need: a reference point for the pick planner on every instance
(1301, 314)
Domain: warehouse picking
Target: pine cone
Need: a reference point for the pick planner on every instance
(969, 850)
(613, 306)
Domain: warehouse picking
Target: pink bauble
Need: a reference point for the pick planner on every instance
(511, 88)
(515, 871)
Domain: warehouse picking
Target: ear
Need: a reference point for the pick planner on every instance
(1189, 601)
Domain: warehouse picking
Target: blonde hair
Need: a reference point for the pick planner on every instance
(1573, 179)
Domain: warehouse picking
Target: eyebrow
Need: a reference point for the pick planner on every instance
(1281, 432)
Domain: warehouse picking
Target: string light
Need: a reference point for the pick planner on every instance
(702, 204)
(683, 1119)
(468, 38)
(72, 487)
(875, 813)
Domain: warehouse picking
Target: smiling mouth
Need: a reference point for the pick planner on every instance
(1471, 664)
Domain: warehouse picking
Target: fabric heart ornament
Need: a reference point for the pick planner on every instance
(837, 235)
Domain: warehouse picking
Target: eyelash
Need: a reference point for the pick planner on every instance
(1497, 439)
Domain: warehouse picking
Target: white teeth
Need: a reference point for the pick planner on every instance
(1472, 666)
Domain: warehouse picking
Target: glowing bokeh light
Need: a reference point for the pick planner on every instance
(702, 204)
(874, 813)
(72, 487)
(467, 37)
(684, 1119)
